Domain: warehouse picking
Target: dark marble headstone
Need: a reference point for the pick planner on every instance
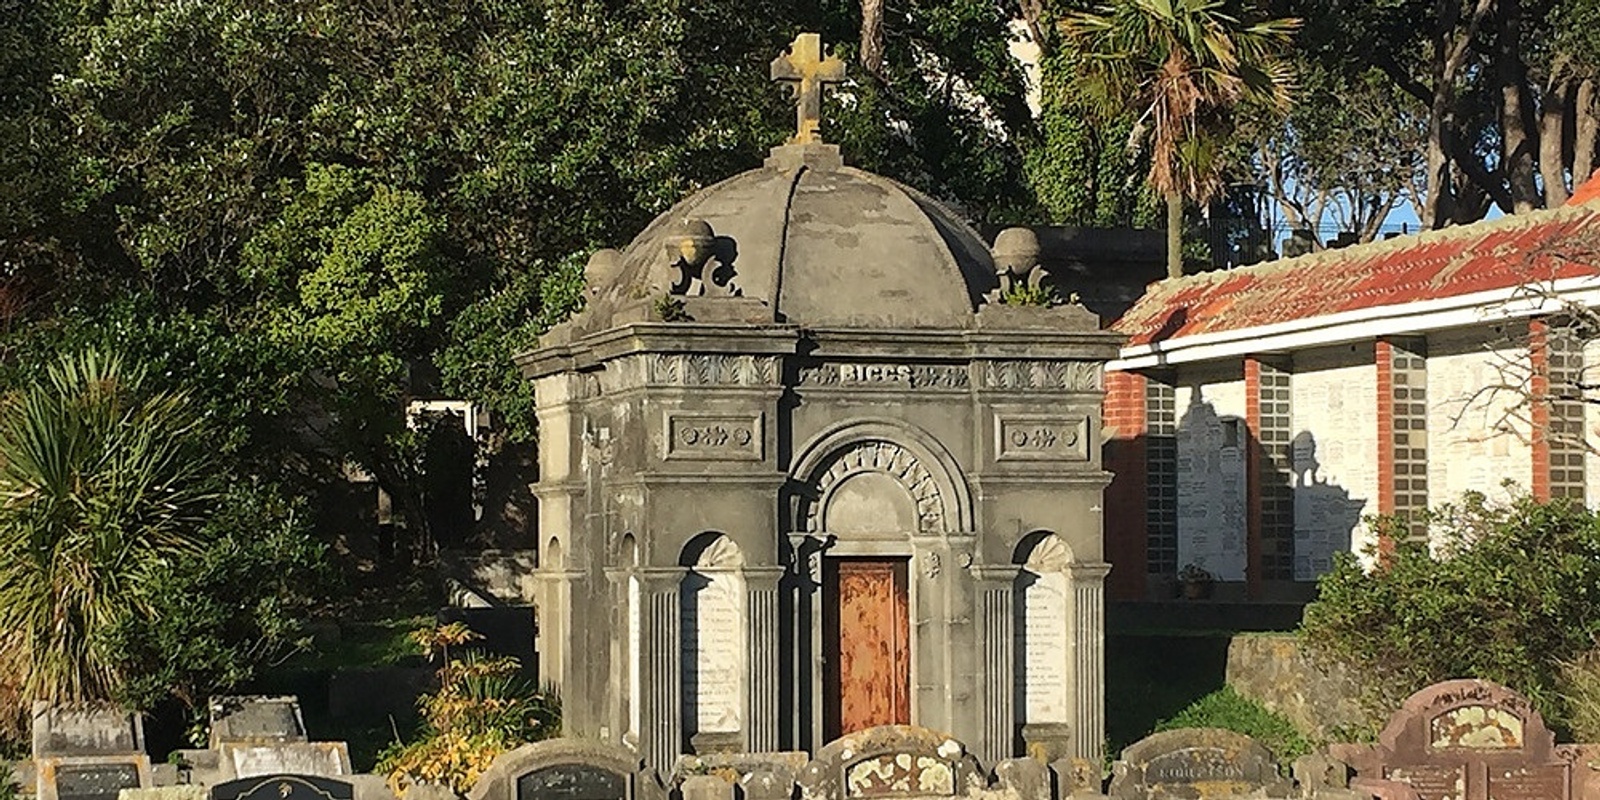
(283, 787)
(1188, 762)
(95, 781)
(572, 782)
(1466, 738)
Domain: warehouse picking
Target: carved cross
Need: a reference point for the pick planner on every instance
(805, 67)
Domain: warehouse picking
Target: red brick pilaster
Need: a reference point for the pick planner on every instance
(1127, 498)
(1539, 409)
(1383, 358)
(1252, 478)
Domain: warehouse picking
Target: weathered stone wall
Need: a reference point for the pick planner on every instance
(1335, 455)
(1275, 671)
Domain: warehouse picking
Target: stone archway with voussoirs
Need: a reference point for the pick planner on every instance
(875, 454)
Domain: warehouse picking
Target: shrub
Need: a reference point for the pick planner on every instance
(1506, 593)
(482, 709)
(1227, 709)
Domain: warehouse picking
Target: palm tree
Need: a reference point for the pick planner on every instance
(1184, 67)
(100, 481)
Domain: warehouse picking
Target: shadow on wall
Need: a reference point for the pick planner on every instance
(1196, 505)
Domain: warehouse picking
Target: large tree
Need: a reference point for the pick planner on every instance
(1508, 89)
(1186, 67)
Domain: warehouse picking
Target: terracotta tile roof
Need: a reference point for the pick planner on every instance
(1501, 254)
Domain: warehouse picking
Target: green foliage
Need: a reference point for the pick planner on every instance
(482, 709)
(101, 483)
(220, 615)
(1227, 709)
(1084, 172)
(1508, 595)
(1023, 295)
(670, 309)
(1580, 695)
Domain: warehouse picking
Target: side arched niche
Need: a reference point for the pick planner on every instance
(714, 641)
(1042, 605)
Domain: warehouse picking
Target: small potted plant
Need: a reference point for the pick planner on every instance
(1195, 581)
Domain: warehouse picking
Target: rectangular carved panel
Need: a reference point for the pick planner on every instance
(714, 437)
(1039, 437)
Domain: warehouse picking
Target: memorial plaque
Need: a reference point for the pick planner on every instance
(572, 782)
(1529, 783)
(1043, 649)
(713, 652)
(95, 781)
(283, 787)
(1432, 782)
(63, 731)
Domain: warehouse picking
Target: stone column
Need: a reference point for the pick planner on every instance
(765, 631)
(1088, 652)
(997, 667)
(661, 651)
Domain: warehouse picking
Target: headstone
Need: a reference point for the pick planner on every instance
(283, 787)
(567, 769)
(713, 625)
(89, 731)
(1043, 646)
(1196, 763)
(891, 761)
(766, 784)
(705, 787)
(256, 720)
(1023, 779)
(173, 792)
(1466, 738)
(322, 759)
(87, 753)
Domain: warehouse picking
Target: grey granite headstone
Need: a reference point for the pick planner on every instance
(256, 719)
(567, 769)
(90, 777)
(1196, 763)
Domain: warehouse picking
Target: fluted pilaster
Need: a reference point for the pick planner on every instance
(1088, 634)
(661, 740)
(765, 630)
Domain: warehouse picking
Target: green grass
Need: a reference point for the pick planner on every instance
(1151, 678)
(1225, 708)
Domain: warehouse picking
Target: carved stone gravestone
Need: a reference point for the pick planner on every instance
(283, 787)
(256, 720)
(891, 761)
(1465, 740)
(1194, 764)
(567, 769)
(87, 753)
(713, 622)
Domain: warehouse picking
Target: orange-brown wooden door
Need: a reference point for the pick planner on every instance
(867, 625)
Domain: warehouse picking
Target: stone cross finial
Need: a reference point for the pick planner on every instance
(809, 71)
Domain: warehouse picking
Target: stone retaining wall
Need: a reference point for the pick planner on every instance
(1275, 671)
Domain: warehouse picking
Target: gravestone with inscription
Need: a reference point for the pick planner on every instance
(1196, 764)
(567, 769)
(1466, 740)
(283, 787)
(891, 761)
(87, 753)
(824, 377)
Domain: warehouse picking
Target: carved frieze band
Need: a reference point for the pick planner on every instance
(1040, 437)
(902, 376)
(1068, 376)
(711, 369)
(892, 460)
(714, 437)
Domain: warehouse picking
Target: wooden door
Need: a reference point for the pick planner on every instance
(867, 630)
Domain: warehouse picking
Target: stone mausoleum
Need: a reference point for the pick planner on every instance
(801, 473)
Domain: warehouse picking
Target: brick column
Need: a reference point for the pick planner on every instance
(1126, 499)
(1539, 394)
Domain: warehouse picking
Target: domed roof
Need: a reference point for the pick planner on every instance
(818, 243)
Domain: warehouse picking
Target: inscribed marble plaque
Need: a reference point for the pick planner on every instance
(1529, 783)
(713, 652)
(1043, 649)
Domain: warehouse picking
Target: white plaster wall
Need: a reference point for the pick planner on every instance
(1211, 473)
(1335, 428)
(1465, 452)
